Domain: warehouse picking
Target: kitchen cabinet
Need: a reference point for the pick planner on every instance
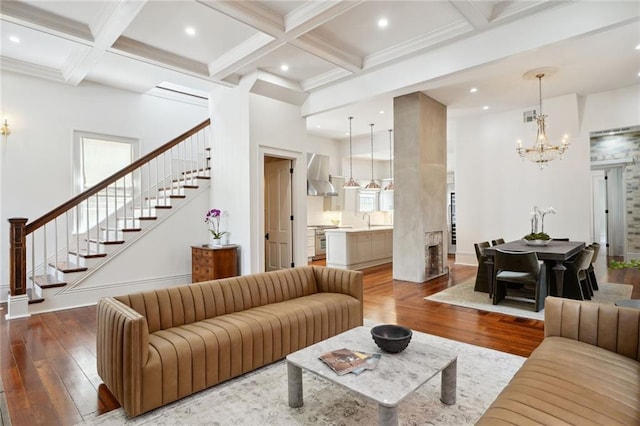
(336, 202)
(359, 248)
(212, 263)
(311, 243)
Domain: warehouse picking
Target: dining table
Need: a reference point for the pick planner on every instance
(553, 254)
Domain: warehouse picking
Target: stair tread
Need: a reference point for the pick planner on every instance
(48, 281)
(68, 267)
(131, 229)
(105, 242)
(88, 254)
(32, 298)
(168, 188)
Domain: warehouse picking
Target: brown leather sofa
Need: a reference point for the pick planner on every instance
(586, 371)
(156, 347)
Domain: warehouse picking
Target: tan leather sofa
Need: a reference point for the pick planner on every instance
(586, 371)
(156, 347)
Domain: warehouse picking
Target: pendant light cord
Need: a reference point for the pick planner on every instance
(390, 160)
(371, 152)
(540, 91)
(350, 152)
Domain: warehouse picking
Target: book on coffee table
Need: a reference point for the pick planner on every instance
(344, 361)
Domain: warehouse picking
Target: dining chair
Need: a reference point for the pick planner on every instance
(523, 268)
(577, 283)
(591, 270)
(482, 276)
(497, 241)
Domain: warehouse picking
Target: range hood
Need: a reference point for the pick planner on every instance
(318, 176)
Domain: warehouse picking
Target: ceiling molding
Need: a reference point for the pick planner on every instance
(472, 13)
(111, 28)
(324, 79)
(21, 13)
(138, 50)
(320, 47)
(445, 34)
(313, 14)
(249, 13)
(242, 55)
(34, 70)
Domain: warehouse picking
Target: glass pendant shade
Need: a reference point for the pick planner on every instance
(373, 185)
(351, 183)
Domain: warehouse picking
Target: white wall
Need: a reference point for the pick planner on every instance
(36, 169)
(250, 127)
(495, 190)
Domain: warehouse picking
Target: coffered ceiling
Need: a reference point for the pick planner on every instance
(334, 58)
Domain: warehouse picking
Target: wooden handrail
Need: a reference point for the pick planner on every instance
(111, 179)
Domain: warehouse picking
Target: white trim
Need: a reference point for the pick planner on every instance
(298, 211)
(617, 162)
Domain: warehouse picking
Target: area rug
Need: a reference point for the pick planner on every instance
(463, 295)
(260, 397)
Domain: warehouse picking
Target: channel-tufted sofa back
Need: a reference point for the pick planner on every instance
(172, 307)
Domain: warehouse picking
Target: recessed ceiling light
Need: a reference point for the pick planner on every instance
(381, 112)
(486, 107)
(383, 23)
(473, 90)
(347, 133)
(638, 47)
(318, 126)
(284, 67)
(14, 39)
(190, 31)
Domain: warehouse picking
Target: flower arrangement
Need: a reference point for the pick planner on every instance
(213, 219)
(538, 215)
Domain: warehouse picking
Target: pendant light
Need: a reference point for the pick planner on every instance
(352, 183)
(390, 186)
(372, 185)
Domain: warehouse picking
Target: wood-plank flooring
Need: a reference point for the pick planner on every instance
(48, 361)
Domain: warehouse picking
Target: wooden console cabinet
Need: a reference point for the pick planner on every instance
(210, 263)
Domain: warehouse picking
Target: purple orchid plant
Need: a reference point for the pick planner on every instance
(213, 218)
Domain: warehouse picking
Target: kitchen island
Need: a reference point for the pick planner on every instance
(359, 248)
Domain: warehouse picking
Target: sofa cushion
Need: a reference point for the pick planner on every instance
(565, 381)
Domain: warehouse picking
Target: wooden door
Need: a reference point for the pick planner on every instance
(277, 217)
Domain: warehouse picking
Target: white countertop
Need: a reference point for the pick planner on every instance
(363, 229)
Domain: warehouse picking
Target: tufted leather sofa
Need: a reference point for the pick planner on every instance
(586, 371)
(158, 346)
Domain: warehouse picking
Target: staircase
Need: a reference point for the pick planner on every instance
(67, 245)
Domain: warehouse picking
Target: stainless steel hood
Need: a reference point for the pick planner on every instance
(318, 176)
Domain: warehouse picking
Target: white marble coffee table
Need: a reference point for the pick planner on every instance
(395, 377)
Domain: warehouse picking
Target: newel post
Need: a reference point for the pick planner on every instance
(18, 256)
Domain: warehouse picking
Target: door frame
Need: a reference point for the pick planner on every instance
(298, 205)
(605, 166)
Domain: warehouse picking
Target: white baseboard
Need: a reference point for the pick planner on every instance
(469, 259)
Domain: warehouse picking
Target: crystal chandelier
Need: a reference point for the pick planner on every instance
(542, 151)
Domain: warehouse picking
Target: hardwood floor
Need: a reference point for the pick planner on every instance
(48, 361)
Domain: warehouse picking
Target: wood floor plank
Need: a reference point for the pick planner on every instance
(48, 361)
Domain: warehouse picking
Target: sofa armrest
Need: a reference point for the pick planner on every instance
(614, 328)
(122, 347)
(336, 280)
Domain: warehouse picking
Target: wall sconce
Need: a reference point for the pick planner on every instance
(4, 129)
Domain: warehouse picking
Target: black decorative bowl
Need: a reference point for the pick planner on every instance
(391, 338)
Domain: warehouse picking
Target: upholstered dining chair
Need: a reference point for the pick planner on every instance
(592, 273)
(497, 241)
(523, 268)
(576, 278)
(482, 277)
